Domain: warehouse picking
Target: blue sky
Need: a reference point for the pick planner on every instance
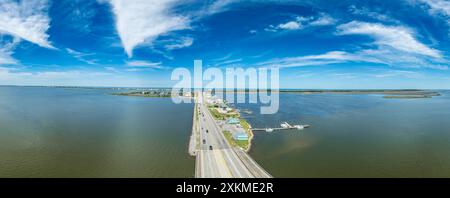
(316, 44)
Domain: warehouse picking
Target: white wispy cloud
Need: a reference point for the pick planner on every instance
(6, 59)
(303, 22)
(7, 74)
(332, 57)
(80, 14)
(438, 8)
(323, 20)
(396, 58)
(76, 77)
(227, 63)
(180, 43)
(363, 11)
(26, 19)
(398, 73)
(111, 69)
(144, 64)
(6, 51)
(291, 25)
(140, 22)
(218, 6)
(81, 56)
(388, 56)
(397, 37)
(15, 76)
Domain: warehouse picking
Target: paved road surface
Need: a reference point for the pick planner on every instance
(216, 158)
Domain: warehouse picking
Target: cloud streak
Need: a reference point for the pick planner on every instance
(26, 19)
(140, 22)
(332, 57)
(181, 43)
(303, 22)
(144, 64)
(81, 56)
(14, 76)
(397, 37)
(6, 51)
(388, 56)
(438, 6)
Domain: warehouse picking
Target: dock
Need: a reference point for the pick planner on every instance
(283, 126)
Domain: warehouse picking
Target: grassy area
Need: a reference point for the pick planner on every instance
(216, 114)
(240, 143)
(196, 113)
(244, 124)
(220, 116)
(245, 144)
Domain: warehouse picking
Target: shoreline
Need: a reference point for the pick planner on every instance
(387, 93)
(249, 132)
(193, 139)
(250, 139)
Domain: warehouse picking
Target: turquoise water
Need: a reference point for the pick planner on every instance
(55, 132)
(355, 136)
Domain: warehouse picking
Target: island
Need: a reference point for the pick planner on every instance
(387, 93)
(153, 93)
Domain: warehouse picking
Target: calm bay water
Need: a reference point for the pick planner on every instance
(355, 136)
(56, 132)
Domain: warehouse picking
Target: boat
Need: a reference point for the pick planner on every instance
(285, 125)
(299, 127)
(246, 111)
(269, 130)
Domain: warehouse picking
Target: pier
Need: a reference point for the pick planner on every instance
(283, 126)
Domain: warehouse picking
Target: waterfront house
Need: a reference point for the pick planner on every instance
(233, 121)
(241, 135)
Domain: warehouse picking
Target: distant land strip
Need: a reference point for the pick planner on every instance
(166, 92)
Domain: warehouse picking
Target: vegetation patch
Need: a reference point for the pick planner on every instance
(216, 114)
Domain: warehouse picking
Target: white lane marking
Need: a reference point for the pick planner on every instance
(224, 171)
(202, 163)
(219, 136)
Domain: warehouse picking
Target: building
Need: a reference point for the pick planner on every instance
(188, 94)
(233, 121)
(221, 111)
(241, 135)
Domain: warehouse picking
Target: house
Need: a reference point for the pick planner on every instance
(187, 94)
(241, 135)
(233, 121)
(221, 111)
(219, 101)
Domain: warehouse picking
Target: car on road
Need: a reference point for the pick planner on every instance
(204, 141)
(207, 131)
(210, 147)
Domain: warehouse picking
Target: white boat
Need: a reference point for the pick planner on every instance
(299, 127)
(269, 130)
(284, 125)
